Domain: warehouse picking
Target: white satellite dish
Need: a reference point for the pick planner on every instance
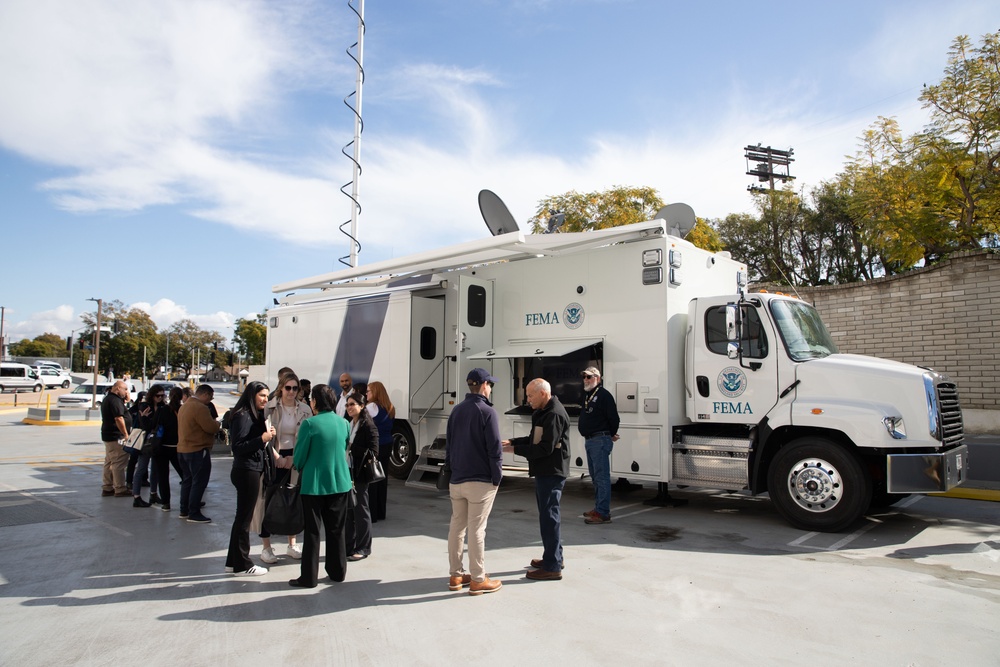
(498, 218)
(679, 218)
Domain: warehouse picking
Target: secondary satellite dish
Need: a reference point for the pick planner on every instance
(498, 218)
(679, 218)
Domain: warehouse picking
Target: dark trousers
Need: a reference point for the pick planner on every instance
(166, 457)
(247, 483)
(548, 493)
(197, 469)
(359, 523)
(133, 459)
(332, 512)
(378, 492)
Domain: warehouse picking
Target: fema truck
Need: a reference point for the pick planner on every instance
(716, 388)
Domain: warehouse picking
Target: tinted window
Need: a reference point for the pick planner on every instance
(477, 306)
(428, 343)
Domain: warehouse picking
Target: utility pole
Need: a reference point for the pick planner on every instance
(3, 340)
(768, 160)
(97, 351)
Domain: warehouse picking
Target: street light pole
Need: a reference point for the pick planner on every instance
(97, 350)
(3, 310)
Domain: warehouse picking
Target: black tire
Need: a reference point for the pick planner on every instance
(65, 384)
(37, 388)
(404, 450)
(818, 485)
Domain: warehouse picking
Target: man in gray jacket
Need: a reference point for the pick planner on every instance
(474, 456)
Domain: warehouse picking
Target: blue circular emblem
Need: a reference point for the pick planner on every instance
(732, 381)
(573, 315)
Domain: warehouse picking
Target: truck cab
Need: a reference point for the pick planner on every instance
(826, 434)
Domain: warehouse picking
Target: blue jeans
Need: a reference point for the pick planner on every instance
(548, 493)
(599, 466)
(197, 469)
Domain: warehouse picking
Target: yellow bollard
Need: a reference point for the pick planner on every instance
(48, 404)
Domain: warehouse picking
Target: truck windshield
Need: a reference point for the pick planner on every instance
(802, 330)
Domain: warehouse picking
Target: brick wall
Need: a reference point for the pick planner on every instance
(945, 316)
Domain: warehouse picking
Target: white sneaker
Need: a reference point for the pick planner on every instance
(267, 556)
(255, 571)
(294, 551)
(229, 570)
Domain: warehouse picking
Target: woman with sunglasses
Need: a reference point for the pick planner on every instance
(383, 414)
(165, 419)
(363, 444)
(286, 413)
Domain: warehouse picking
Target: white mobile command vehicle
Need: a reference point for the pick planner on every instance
(715, 388)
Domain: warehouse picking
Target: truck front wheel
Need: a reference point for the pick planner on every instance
(404, 450)
(817, 485)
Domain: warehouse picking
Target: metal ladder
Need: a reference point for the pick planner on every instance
(425, 471)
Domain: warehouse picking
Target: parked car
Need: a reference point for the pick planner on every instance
(19, 377)
(54, 378)
(82, 395)
(42, 363)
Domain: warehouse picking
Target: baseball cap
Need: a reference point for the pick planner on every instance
(479, 376)
(591, 370)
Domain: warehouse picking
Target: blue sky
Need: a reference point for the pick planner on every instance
(183, 156)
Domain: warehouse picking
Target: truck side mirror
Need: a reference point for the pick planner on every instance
(731, 314)
(732, 350)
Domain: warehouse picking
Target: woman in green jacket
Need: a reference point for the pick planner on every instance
(325, 482)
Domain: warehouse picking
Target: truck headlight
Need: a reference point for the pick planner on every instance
(895, 427)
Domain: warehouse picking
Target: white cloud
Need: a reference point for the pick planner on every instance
(60, 320)
(166, 313)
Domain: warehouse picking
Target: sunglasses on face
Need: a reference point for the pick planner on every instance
(291, 388)
(587, 376)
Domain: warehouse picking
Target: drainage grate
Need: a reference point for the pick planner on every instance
(19, 510)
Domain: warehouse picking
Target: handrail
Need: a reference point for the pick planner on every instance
(426, 380)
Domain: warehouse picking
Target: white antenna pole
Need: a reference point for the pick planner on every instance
(358, 83)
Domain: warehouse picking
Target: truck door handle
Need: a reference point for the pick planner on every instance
(703, 386)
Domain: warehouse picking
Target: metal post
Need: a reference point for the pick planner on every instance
(97, 350)
(358, 83)
(3, 310)
(166, 360)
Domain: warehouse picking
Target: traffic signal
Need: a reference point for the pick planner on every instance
(69, 343)
(116, 327)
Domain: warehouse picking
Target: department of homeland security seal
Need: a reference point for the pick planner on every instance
(732, 381)
(573, 316)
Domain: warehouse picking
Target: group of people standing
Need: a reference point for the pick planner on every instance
(277, 439)
(322, 442)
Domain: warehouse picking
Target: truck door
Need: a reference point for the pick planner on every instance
(726, 390)
(475, 323)
(427, 349)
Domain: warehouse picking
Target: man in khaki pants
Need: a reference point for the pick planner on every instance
(116, 422)
(473, 453)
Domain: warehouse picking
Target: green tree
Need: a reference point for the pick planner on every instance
(38, 347)
(189, 342)
(127, 336)
(963, 139)
(704, 236)
(250, 338)
(598, 210)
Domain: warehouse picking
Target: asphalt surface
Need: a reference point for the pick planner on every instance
(87, 580)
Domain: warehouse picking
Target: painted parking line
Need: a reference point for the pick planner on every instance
(844, 541)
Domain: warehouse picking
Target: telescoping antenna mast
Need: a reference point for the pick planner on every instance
(359, 126)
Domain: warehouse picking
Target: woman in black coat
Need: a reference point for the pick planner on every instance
(364, 443)
(249, 434)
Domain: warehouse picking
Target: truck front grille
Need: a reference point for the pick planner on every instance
(949, 414)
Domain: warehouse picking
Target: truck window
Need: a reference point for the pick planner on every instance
(802, 330)
(563, 373)
(477, 306)
(754, 340)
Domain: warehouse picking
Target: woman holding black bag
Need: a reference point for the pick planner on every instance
(364, 444)
(249, 433)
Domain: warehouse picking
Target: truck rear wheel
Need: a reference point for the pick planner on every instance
(404, 450)
(817, 485)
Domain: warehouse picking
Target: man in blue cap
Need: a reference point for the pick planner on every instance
(474, 455)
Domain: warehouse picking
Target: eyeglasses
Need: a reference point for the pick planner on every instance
(157, 395)
(587, 376)
(291, 388)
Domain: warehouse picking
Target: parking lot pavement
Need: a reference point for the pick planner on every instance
(87, 580)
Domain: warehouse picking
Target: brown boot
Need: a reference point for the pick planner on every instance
(456, 583)
(487, 585)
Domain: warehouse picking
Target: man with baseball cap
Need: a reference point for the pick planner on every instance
(474, 455)
(599, 427)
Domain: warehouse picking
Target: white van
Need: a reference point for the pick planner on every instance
(19, 377)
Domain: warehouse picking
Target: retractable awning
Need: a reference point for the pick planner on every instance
(536, 348)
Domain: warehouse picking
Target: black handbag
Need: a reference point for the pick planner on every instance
(371, 470)
(444, 477)
(153, 441)
(283, 513)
